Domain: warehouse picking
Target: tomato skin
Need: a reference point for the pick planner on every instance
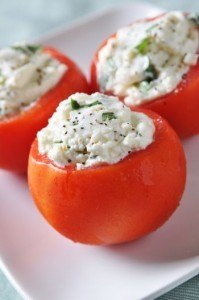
(18, 132)
(112, 204)
(180, 107)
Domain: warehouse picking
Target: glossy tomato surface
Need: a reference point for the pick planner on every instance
(116, 203)
(18, 132)
(180, 107)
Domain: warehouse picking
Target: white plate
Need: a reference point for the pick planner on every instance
(43, 265)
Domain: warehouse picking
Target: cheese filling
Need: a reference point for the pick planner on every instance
(148, 58)
(88, 130)
(26, 73)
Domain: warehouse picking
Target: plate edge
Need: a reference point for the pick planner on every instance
(13, 281)
(89, 17)
(169, 287)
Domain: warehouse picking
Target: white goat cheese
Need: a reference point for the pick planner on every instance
(88, 130)
(26, 73)
(148, 58)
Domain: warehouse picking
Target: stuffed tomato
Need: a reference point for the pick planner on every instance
(154, 64)
(101, 173)
(33, 80)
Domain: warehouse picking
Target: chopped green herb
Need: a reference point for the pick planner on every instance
(27, 48)
(151, 73)
(144, 86)
(142, 47)
(19, 48)
(93, 103)
(74, 104)
(194, 18)
(108, 116)
(34, 48)
(58, 142)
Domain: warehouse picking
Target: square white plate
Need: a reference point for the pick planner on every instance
(43, 265)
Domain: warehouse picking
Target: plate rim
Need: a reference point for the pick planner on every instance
(89, 17)
(13, 281)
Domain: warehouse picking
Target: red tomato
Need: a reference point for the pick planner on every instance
(180, 107)
(116, 203)
(18, 132)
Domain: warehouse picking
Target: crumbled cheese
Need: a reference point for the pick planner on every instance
(148, 58)
(190, 59)
(26, 73)
(93, 129)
